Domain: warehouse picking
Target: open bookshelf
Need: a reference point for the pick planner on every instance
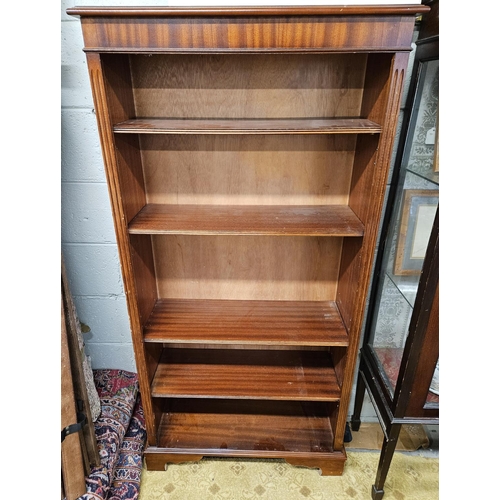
(246, 152)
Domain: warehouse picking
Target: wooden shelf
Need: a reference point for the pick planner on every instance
(212, 426)
(248, 126)
(246, 374)
(299, 220)
(248, 322)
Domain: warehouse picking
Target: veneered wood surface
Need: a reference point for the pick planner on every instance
(319, 31)
(246, 267)
(246, 322)
(299, 220)
(276, 375)
(225, 426)
(248, 86)
(247, 126)
(248, 170)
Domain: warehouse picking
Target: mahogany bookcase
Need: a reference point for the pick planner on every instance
(246, 153)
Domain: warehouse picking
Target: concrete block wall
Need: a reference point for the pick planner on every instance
(87, 234)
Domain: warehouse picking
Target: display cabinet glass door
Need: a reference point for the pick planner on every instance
(416, 204)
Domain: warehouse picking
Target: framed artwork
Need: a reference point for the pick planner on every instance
(436, 146)
(418, 211)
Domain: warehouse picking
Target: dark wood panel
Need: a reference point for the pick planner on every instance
(233, 374)
(247, 126)
(227, 425)
(253, 322)
(306, 220)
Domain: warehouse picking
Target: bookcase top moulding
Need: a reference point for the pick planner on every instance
(379, 28)
(387, 9)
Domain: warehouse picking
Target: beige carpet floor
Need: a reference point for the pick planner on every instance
(371, 436)
(411, 477)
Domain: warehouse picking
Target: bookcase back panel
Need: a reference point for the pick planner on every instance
(247, 170)
(248, 86)
(247, 267)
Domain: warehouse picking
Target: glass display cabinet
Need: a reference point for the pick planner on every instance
(399, 358)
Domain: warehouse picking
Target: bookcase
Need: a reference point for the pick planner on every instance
(246, 153)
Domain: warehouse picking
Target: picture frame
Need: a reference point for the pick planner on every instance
(418, 210)
(436, 147)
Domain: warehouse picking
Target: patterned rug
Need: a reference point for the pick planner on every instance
(410, 478)
(120, 434)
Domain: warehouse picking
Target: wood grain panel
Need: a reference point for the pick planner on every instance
(246, 322)
(247, 267)
(225, 34)
(213, 425)
(228, 373)
(263, 86)
(302, 220)
(247, 126)
(248, 170)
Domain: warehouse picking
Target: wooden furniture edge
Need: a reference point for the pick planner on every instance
(330, 464)
(90, 11)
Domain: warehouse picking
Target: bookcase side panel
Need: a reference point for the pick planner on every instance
(107, 112)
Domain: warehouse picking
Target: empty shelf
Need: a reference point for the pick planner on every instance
(246, 374)
(248, 126)
(305, 220)
(252, 322)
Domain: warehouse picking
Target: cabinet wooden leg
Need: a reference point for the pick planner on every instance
(377, 494)
(328, 467)
(386, 454)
